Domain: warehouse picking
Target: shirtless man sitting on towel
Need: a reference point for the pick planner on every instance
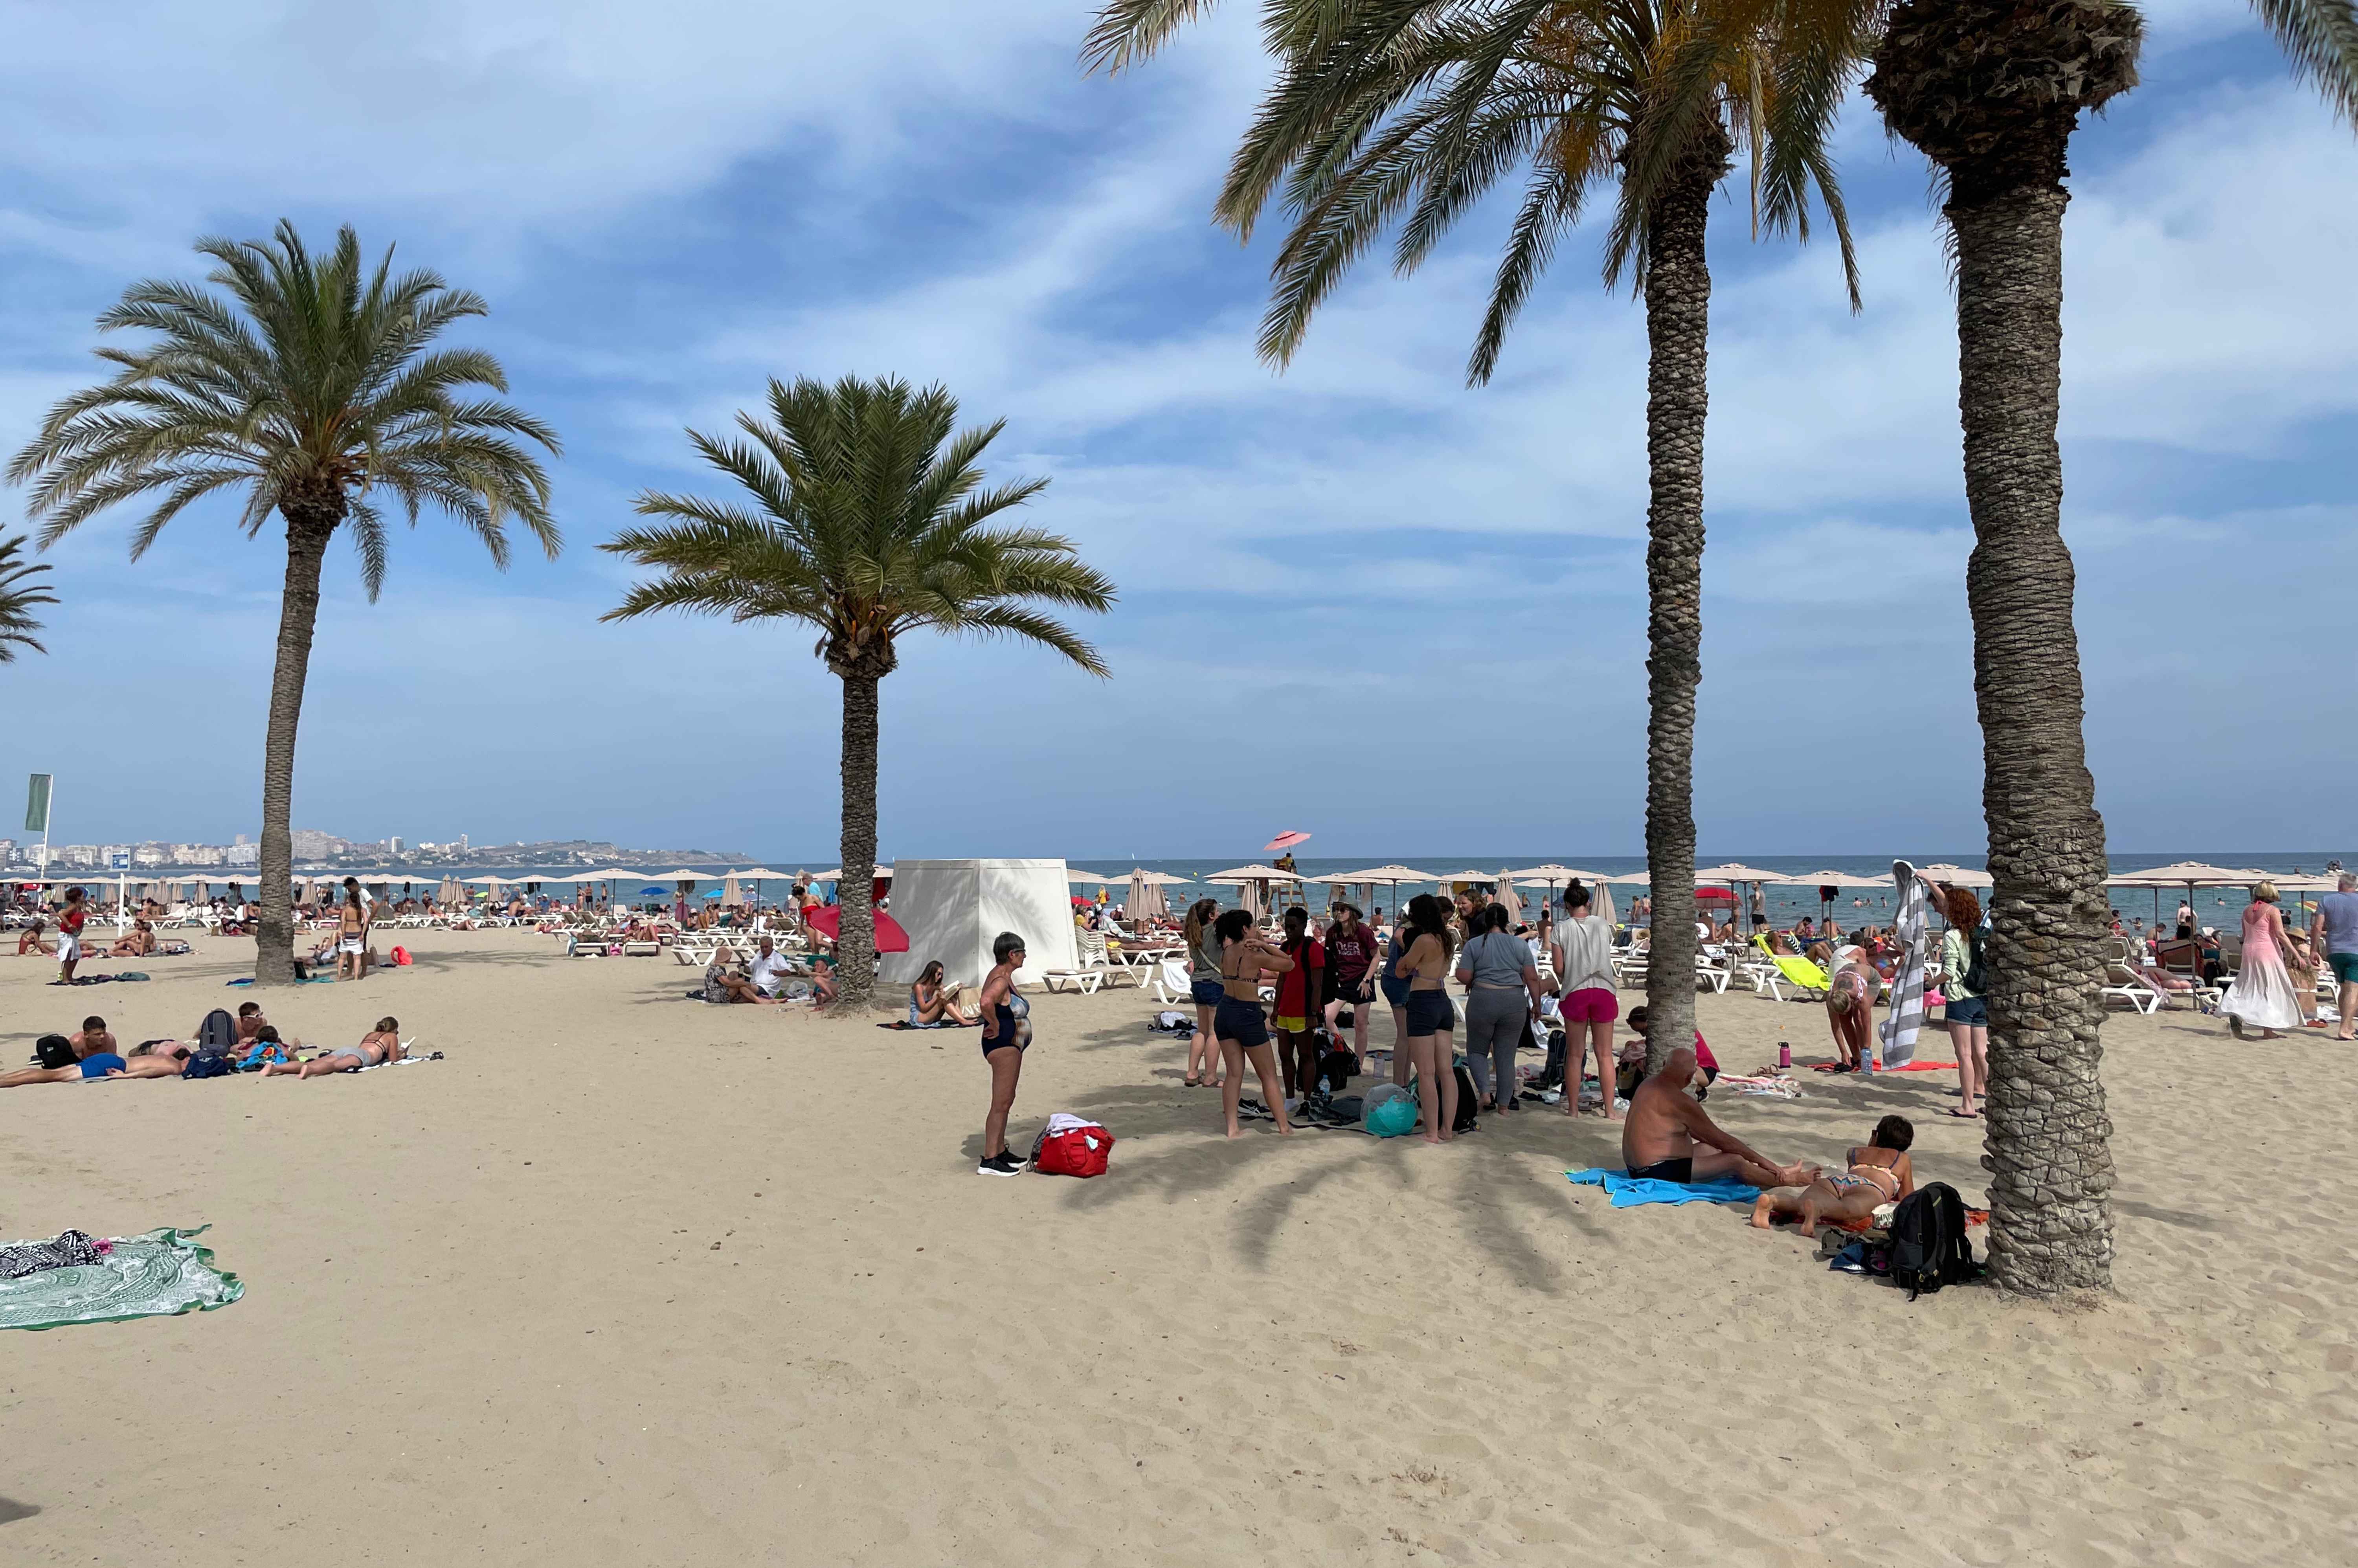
(1665, 1124)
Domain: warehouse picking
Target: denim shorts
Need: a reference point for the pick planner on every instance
(1429, 1012)
(1971, 1010)
(1240, 1021)
(1208, 993)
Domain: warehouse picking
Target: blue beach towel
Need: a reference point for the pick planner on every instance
(1627, 1191)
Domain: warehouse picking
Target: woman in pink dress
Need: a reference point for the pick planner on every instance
(2262, 990)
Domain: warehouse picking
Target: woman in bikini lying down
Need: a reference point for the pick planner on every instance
(378, 1046)
(1878, 1173)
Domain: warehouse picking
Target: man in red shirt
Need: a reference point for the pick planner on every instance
(1301, 994)
(70, 925)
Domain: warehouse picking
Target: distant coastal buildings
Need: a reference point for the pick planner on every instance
(320, 850)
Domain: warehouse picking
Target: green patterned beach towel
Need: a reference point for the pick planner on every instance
(159, 1274)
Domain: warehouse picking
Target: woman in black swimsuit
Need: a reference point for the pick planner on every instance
(1006, 1032)
(1245, 957)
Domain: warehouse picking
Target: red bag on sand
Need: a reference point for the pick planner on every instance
(1070, 1146)
(400, 957)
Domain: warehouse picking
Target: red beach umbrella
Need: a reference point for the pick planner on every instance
(827, 919)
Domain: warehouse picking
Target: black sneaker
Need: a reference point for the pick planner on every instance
(1002, 1163)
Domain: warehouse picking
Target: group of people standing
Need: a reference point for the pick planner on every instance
(1316, 980)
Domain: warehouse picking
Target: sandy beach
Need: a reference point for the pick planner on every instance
(631, 1279)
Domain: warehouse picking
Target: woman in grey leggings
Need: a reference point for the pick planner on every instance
(1503, 991)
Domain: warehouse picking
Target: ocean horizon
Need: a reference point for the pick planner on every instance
(1784, 903)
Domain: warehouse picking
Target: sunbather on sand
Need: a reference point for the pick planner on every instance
(379, 1045)
(97, 1055)
(1877, 1174)
(33, 942)
(931, 1000)
(1665, 1123)
(720, 985)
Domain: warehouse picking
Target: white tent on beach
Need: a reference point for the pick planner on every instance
(953, 910)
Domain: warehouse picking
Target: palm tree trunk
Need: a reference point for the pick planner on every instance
(855, 947)
(2051, 1167)
(298, 613)
(1677, 326)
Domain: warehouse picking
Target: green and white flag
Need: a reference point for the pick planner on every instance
(36, 804)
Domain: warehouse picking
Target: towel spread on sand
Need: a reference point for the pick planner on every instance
(1627, 1191)
(160, 1274)
(1906, 1014)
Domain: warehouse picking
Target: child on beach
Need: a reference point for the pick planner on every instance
(1006, 1034)
(70, 925)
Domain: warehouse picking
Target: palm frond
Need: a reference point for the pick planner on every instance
(2321, 37)
(863, 512)
(296, 377)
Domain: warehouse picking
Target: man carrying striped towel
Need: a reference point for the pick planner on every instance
(1906, 1014)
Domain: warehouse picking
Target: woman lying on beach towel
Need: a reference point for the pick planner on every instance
(379, 1045)
(1878, 1173)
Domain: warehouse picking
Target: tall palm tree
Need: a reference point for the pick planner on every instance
(1409, 111)
(308, 385)
(1991, 91)
(869, 521)
(20, 589)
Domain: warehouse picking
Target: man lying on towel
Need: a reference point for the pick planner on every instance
(1658, 1139)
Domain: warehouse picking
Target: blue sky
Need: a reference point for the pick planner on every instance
(1357, 597)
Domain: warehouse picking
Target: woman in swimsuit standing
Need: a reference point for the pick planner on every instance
(1237, 1022)
(1878, 1173)
(1006, 1034)
(1424, 965)
(352, 935)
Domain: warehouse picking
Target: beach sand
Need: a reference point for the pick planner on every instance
(630, 1279)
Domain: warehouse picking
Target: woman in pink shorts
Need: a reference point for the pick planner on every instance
(1590, 1003)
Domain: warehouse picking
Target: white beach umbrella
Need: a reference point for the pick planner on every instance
(1957, 876)
(1507, 897)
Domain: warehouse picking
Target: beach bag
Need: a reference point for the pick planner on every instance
(1172, 1021)
(1070, 1146)
(400, 957)
(54, 1051)
(1928, 1248)
(1336, 1069)
(1389, 1112)
(218, 1032)
(1466, 1108)
(1976, 968)
(209, 1065)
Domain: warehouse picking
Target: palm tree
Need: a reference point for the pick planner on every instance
(19, 591)
(309, 386)
(1410, 110)
(1991, 91)
(869, 520)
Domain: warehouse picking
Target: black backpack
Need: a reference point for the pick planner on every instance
(218, 1032)
(1977, 968)
(54, 1051)
(1468, 1103)
(1928, 1248)
(1336, 1068)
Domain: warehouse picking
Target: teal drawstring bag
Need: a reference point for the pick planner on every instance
(1389, 1114)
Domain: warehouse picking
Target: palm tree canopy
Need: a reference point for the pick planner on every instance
(20, 589)
(310, 383)
(869, 517)
(1408, 111)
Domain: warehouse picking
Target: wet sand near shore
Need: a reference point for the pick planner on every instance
(630, 1279)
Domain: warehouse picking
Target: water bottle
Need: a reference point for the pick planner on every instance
(1784, 1052)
